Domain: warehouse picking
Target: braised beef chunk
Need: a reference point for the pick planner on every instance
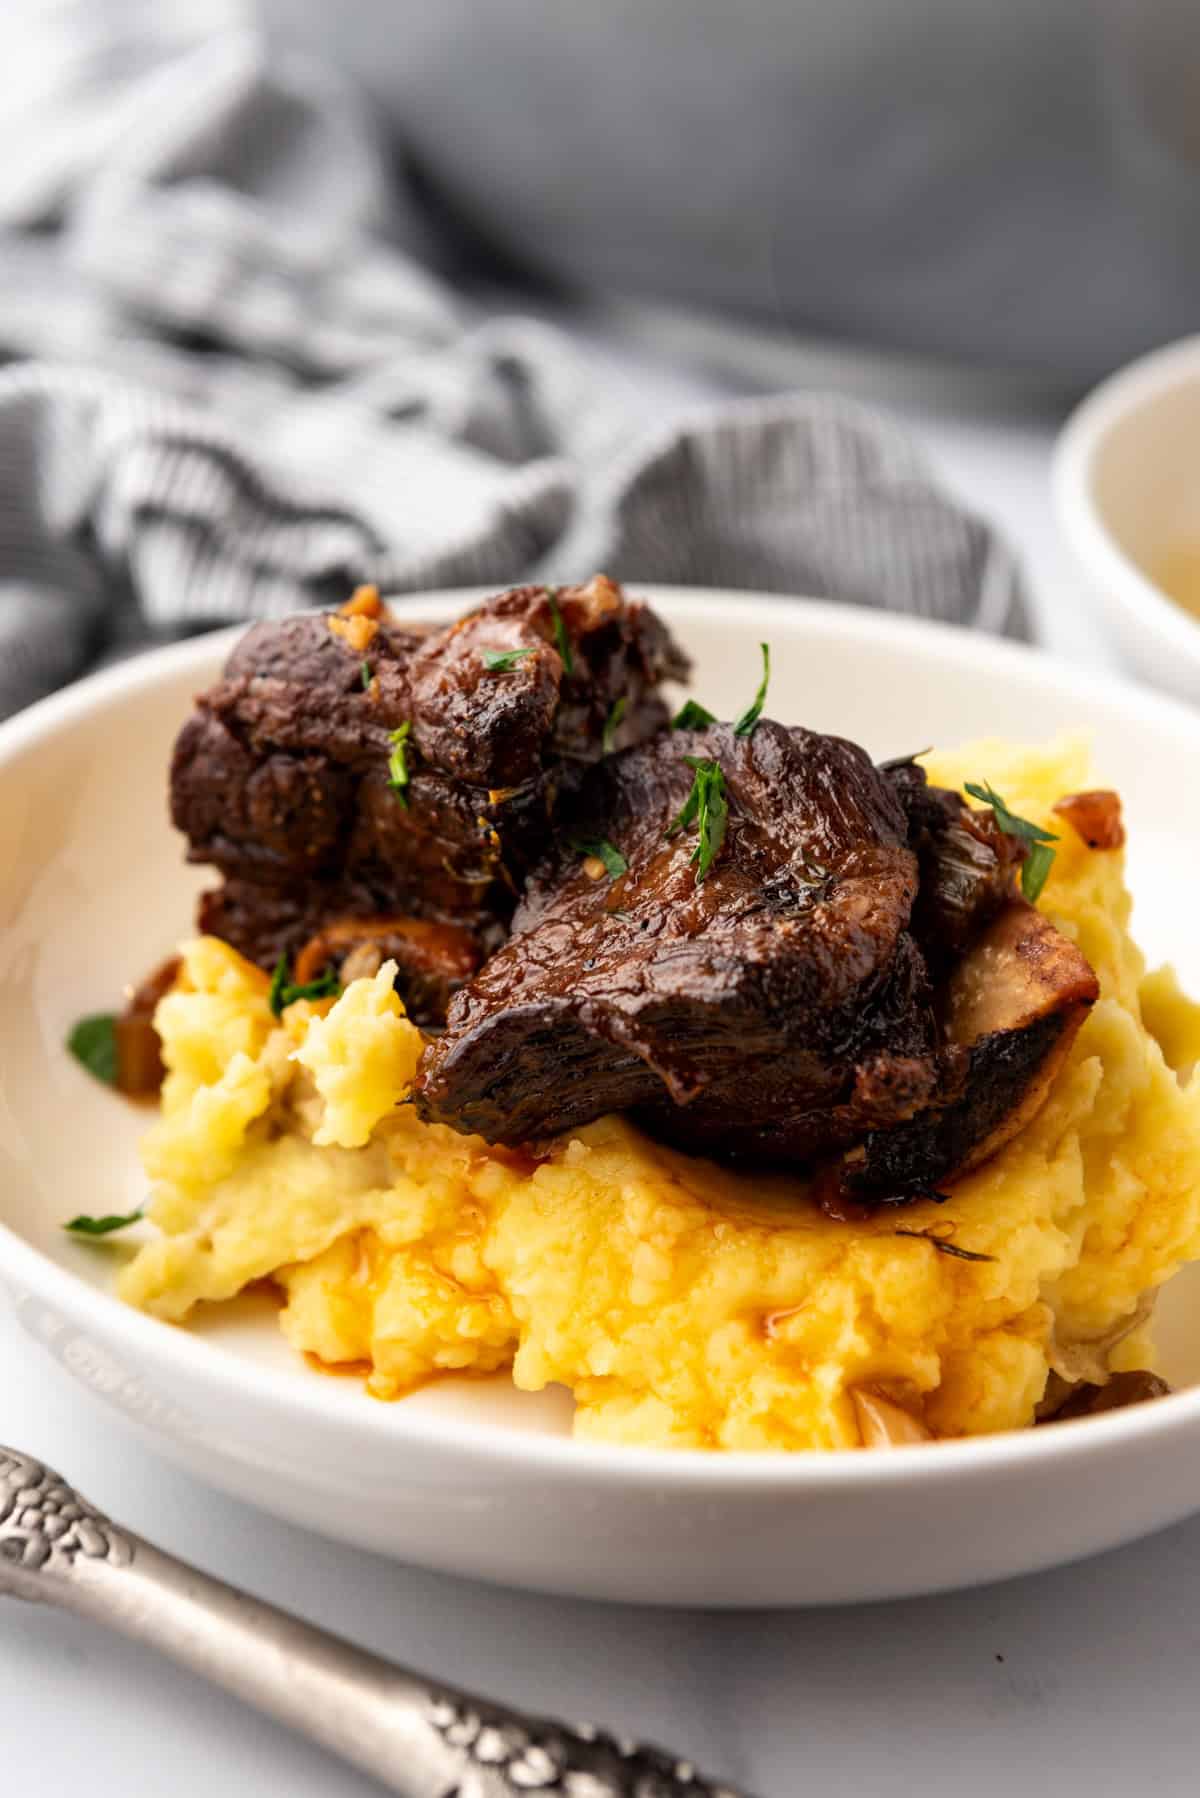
(1008, 1012)
(497, 729)
(268, 816)
(298, 684)
(285, 778)
(303, 824)
(781, 997)
(762, 945)
(781, 1009)
(966, 861)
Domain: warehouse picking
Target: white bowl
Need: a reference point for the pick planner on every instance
(1127, 489)
(473, 1477)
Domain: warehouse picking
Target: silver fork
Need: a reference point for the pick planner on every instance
(414, 1735)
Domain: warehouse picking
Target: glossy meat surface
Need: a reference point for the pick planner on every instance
(785, 1009)
(966, 863)
(284, 776)
(850, 985)
(782, 994)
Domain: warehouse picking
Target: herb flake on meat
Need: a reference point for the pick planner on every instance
(612, 724)
(750, 717)
(1037, 864)
(692, 716)
(398, 773)
(603, 851)
(367, 676)
(707, 805)
(503, 661)
(1035, 870)
(93, 1043)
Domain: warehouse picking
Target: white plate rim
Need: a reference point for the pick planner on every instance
(168, 1347)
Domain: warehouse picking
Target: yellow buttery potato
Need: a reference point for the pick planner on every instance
(682, 1303)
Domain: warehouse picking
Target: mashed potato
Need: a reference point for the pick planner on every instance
(682, 1304)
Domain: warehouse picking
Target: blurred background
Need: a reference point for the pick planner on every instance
(297, 294)
(786, 294)
(1009, 185)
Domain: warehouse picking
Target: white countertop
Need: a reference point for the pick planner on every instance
(1080, 1681)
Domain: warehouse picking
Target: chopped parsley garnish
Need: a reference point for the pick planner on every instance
(283, 993)
(367, 676)
(708, 807)
(1035, 870)
(93, 1043)
(692, 716)
(1038, 863)
(750, 717)
(501, 661)
(398, 775)
(604, 851)
(561, 639)
(104, 1226)
(612, 724)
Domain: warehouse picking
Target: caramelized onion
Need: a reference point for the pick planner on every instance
(139, 1049)
(882, 1423)
(364, 602)
(1134, 1387)
(358, 631)
(432, 960)
(1096, 817)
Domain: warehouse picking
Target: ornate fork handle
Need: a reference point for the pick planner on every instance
(415, 1736)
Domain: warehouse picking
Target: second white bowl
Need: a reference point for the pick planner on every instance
(1127, 492)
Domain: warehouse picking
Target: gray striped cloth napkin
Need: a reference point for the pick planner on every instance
(233, 388)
